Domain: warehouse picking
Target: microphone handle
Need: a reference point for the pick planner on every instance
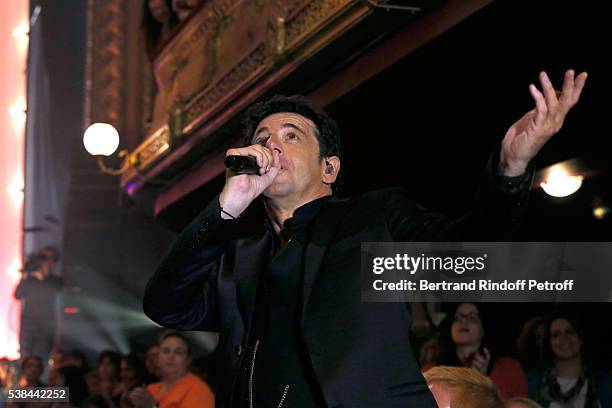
(242, 164)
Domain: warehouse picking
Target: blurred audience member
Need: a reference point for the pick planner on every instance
(76, 358)
(462, 387)
(566, 379)
(96, 401)
(132, 374)
(522, 403)
(93, 382)
(529, 342)
(108, 372)
(38, 291)
(178, 388)
(31, 371)
(151, 364)
(184, 8)
(73, 378)
(57, 358)
(463, 343)
(429, 352)
(7, 378)
(158, 19)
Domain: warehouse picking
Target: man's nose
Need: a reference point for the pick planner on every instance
(273, 144)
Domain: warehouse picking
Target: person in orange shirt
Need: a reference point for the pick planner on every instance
(178, 388)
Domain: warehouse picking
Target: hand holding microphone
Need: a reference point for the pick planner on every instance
(256, 167)
(242, 164)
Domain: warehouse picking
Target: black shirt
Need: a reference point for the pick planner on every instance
(275, 370)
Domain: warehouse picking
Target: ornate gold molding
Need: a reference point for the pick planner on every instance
(103, 70)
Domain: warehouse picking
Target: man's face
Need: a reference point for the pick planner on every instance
(294, 137)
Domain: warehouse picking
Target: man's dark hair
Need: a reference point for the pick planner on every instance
(112, 356)
(327, 131)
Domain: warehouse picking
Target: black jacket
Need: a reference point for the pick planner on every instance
(360, 352)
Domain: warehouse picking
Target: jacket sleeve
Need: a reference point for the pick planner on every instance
(182, 293)
(494, 214)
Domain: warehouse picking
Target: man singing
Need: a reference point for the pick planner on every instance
(283, 290)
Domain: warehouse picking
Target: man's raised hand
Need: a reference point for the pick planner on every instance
(526, 136)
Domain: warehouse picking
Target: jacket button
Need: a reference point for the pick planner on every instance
(238, 350)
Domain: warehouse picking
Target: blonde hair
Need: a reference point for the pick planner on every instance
(467, 387)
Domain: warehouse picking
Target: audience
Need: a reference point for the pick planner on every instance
(158, 20)
(73, 378)
(468, 373)
(463, 342)
(132, 374)
(566, 379)
(31, 371)
(151, 364)
(177, 387)
(529, 342)
(108, 372)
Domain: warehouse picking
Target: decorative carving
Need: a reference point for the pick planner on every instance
(104, 80)
(250, 67)
(315, 13)
(152, 148)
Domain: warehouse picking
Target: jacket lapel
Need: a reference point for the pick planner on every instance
(251, 260)
(321, 235)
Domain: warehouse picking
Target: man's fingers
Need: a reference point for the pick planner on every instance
(548, 90)
(579, 86)
(541, 108)
(568, 87)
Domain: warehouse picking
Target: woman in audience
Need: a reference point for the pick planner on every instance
(132, 374)
(151, 364)
(177, 387)
(31, 371)
(566, 379)
(108, 373)
(73, 378)
(463, 343)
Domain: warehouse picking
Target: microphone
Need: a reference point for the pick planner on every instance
(242, 164)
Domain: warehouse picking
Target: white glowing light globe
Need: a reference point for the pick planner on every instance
(101, 139)
(560, 184)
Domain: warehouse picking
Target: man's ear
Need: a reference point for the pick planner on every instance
(331, 168)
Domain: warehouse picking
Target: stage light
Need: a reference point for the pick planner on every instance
(601, 212)
(18, 113)
(560, 183)
(21, 33)
(15, 190)
(14, 271)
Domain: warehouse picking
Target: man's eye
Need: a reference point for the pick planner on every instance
(292, 136)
